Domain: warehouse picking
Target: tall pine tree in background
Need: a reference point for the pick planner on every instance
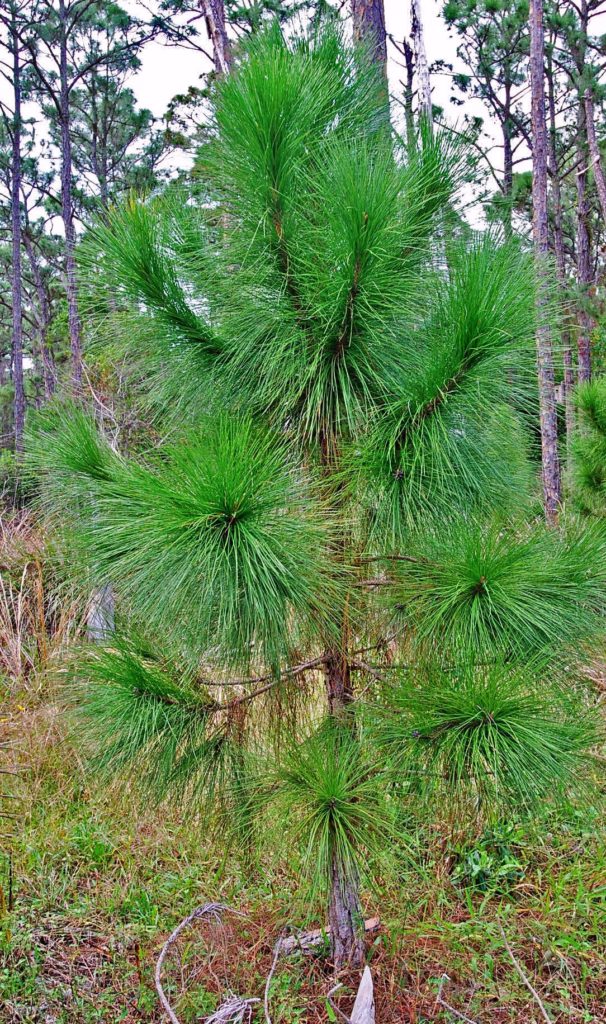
(328, 575)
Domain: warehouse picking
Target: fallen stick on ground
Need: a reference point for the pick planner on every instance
(234, 1009)
(447, 1006)
(307, 940)
(528, 984)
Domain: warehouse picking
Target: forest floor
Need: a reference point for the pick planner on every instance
(92, 882)
(98, 882)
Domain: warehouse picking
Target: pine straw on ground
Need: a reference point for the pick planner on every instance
(99, 882)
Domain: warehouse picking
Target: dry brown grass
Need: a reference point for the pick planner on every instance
(39, 617)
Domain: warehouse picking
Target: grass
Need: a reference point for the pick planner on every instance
(99, 881)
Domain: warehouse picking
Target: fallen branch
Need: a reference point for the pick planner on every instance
(228, 1011)
(447, 1006)
(308, 940)
(277, 951)
(526, 981)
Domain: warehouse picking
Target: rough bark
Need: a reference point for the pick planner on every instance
(585, 276)
(43, 318)
(594, 151)
(409, 93)
(16, 277)
(67, 208)
(506, 127)
(344, 913)
(583, 246)
(559, 250)
(424, 82)
(345, 919)
(214, 16)
(368, 18)
(547, 403)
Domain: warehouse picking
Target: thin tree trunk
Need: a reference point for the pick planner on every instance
(424, 87)
(594, 151)
(547, 403)
(345, 919)
(368, 18)
(16, 278)
(44, 317)
(584, 270)
(507, 162)
(214, 16)
(585, 275)
(75, 330)
(408, 94)
(560, 257)
(344, 912)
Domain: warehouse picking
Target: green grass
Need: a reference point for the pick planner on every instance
(100, 881)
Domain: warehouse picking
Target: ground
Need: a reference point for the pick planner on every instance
(99, 880)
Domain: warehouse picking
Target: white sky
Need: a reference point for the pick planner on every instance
(168, 71)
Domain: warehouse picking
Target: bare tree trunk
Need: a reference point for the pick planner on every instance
(369, 27)
(594, 151)
(507, 161)
(584, 269)
(16, 278)
(214, 16)
(48, 364)
(408, 93)
(418, 41)
(345, 919)
(558, 246)
(547, 404)
(344, 913)
(67, 210)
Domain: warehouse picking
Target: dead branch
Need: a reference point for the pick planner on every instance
(228, 1010)
(526, 981)
(447, 1006)
(277, 951)
(308, 940)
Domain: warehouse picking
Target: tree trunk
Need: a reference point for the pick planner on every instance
(559, 251)
(584, 270)
(594, 151)
(507, 161)
(368, 18)
(48, 363)
(214, 16)
(344, 913)
(578, 49)
(408, 94)
(75, 330)
(16, 278)
(424, 86)
(345, 919)
(547, 404)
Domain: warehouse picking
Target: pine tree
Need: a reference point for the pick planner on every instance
(346, 440)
